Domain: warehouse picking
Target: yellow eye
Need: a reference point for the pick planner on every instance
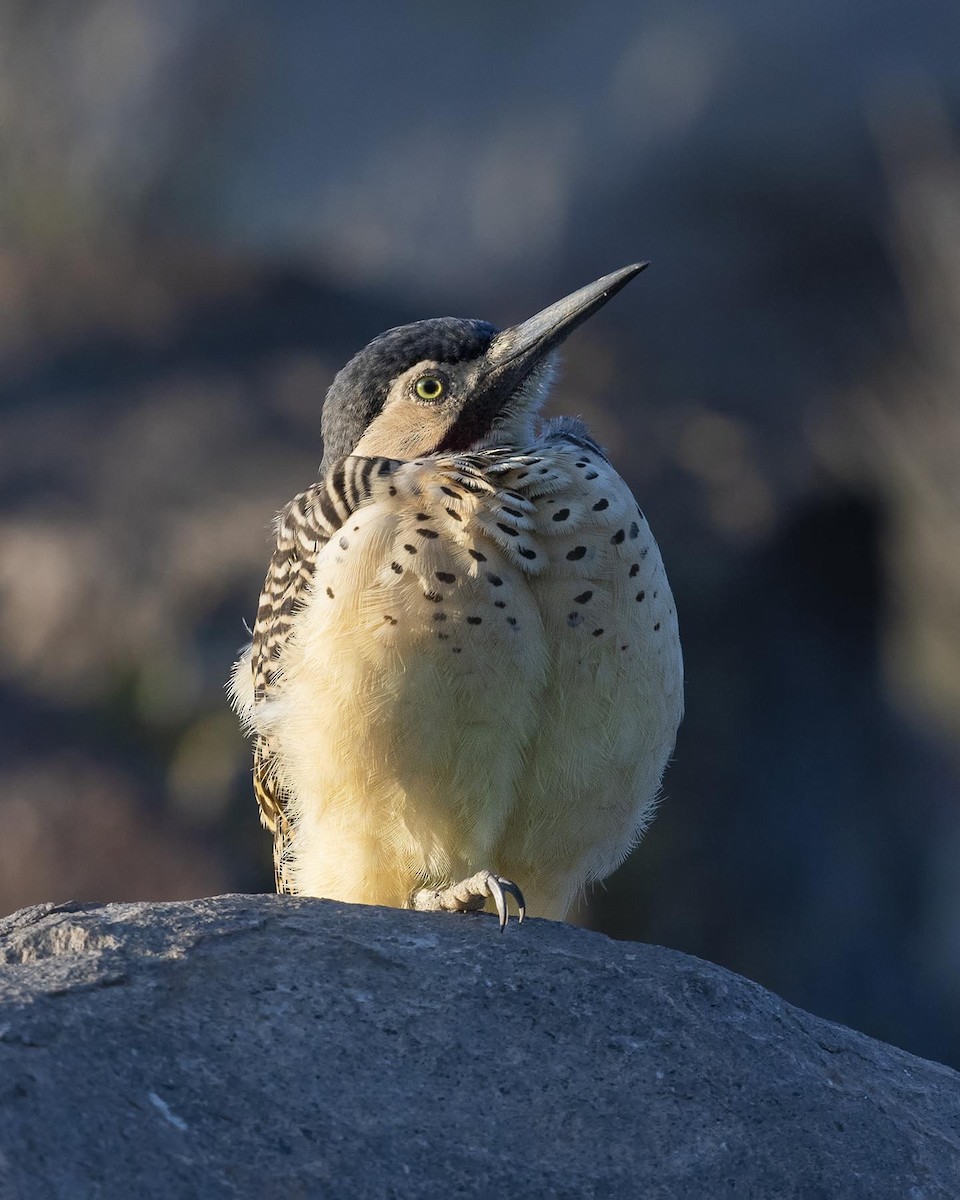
(429, 387)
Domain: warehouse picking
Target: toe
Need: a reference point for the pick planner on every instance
(471, 894)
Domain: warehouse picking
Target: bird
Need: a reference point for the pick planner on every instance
(465, 678)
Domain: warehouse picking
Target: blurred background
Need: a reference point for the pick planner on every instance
(208, 205)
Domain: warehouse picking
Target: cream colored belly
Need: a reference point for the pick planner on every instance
(444, 711)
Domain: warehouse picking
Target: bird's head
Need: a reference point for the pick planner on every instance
(452, 383)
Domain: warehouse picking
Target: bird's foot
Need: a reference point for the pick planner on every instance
(470, 895)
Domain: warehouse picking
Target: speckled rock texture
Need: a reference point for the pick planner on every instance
(269, 1046)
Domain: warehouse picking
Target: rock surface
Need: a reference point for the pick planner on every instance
(266, 1046)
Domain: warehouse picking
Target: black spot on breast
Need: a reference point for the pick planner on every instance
(456, 649)
(508, 529)
(597, 632)
(433, 597)
(544, 471)
(583, 462)
(601, 505)
(344, 544)
(427, 533)
(644, 552)
(392, 490)
(583, 597)
(391, 620)
(634, 530)
(330, 592)
(634, 570)
(656, 628)
(591, 475)
(409, 549)
(511, 620)
(499, 604)
(442, 637)
(618, 538)
(356, 529)
(512, 512)
(576, 553)
(454, 515)
(396, 568)
(446, 576)
(474, 620)
(448, 491)
(561, 514)
(440, 616)
(495, 580)
(641, 596)
(526, 552)
(574, 619)
(478, 556)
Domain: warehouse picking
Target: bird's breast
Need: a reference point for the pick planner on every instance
(487, 672)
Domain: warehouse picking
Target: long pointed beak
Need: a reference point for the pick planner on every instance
(514, 352)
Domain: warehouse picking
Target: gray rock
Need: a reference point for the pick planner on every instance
(265, 1046)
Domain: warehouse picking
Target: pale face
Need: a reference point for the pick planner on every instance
(433, 406)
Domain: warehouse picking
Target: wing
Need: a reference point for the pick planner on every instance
(303, 528)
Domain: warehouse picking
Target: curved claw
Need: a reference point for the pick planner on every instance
(518, 896)
(498, 885)
(496, 891)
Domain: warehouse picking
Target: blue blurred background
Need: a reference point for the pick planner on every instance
(208, 205)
